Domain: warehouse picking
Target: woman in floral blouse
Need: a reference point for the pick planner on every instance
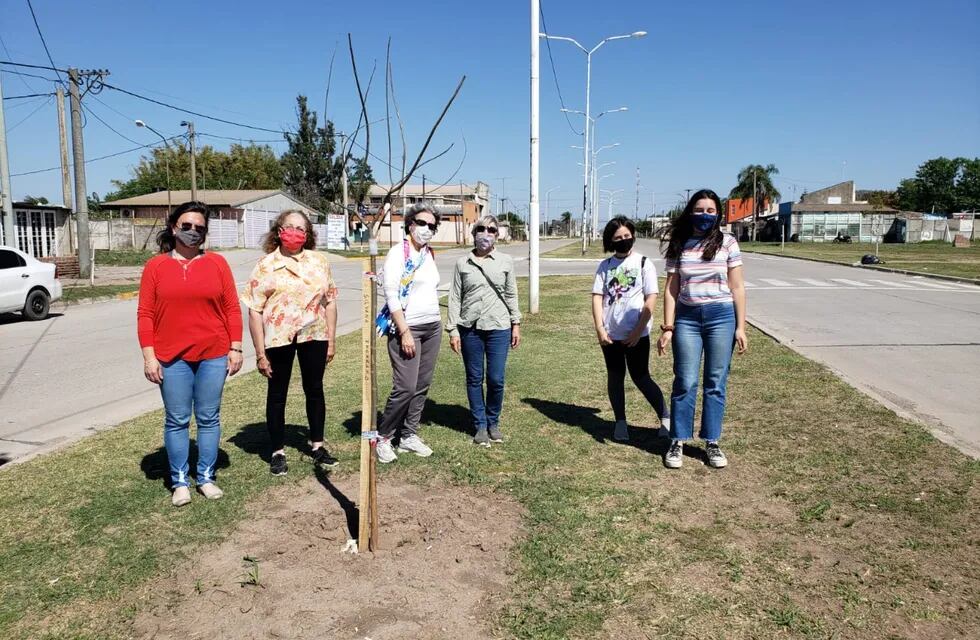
(291, 299)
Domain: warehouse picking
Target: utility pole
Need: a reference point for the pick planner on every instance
(190, 138)
(63, 140)
(636, 205)
(534, 213)
(343, 184)
(755, 205)
(78, 157)
(6, 197)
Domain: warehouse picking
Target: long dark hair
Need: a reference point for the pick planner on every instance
(612, 227)
(271, 240)
(166, 239)
(681, 229)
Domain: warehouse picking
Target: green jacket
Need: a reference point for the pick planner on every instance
(475, 302)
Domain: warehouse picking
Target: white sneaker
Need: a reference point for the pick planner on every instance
(414, 444)
(674, 458)
(210, 491)
(664, 430)
(622, 432)
(386, 453)
(182, 496)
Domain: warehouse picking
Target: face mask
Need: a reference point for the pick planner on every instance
(703, 222)
(623, 246)
(422, 235)
(292, 239)
(190, 238)
(484, 241)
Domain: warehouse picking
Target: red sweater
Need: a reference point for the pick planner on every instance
(191, 313)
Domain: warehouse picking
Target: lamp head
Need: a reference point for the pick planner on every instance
(638, 34)
(140, 123)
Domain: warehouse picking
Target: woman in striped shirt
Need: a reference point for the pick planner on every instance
(704, 312)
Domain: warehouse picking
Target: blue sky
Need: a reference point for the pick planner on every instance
(714, 86)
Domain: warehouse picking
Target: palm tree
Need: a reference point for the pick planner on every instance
(756, 179)
(566, 220)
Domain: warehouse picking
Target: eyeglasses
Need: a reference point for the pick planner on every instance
(422, 223)
(294, 228)
(187, 226)
(481, 228)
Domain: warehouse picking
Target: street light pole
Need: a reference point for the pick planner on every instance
(533, 206)
(547, 207)
(190, 137)
(166, 157)
(593, 210)
(588, 107)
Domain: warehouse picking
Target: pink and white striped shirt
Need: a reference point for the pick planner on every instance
(702, 281)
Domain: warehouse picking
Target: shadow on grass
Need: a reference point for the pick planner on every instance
(350, 509)
(254, 439)
(155, 466)
(451, 416)
(587, 419)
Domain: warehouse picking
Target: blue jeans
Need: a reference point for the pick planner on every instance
(196, 385)
(489, 347)
(707, 328)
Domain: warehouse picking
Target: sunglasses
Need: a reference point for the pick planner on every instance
(421, 223)
(481, 228)
(187, 226)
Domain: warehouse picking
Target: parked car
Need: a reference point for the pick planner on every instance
(27, 285)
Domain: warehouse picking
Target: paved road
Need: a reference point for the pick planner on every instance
(912, 343)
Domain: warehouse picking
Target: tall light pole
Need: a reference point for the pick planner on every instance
(595, 185)
(593, 212)
(6, 197)
(588, 106)
(166, 157)
(190, 137)
(610, 195)
(547, 207)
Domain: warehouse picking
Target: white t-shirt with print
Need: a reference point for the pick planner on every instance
(624, 285)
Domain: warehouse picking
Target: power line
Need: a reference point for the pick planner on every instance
(212, 135)
(30, 95)
(33, 66)
(554, 73)
(106, 157)
(193, 113)
(27, 75)
(41, 35)
(106, 124)
(7, 51)
(28, 116)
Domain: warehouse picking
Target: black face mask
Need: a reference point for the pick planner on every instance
(623, 246)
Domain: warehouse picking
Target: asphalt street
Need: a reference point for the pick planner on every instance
(912, 343)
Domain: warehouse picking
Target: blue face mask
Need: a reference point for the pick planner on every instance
(703, 222)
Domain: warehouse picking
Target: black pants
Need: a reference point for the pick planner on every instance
(619, 358)
(312, 357)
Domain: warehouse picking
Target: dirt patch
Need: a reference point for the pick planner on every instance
(443, 565)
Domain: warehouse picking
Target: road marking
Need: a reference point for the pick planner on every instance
(853, 283)
(934, 284)
(891, 283)
(748, 285)
(775, 283)
(815, 283)
(972, 287)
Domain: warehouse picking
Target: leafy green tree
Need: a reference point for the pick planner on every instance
(933, 188)
(310, 171)
(35, 200)
(765, 190)
(361, 179)
(878, 198)
(968, 186)
(241, 167)
(566, 221)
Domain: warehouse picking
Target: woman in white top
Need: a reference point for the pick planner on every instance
(410, 283)
(623, 298)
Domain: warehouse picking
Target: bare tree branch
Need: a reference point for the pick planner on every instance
(326, 95)
(401, 125)
(460, 166)
(387, 105)
(438, 155)
(363, 98)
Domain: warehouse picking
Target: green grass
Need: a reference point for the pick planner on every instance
(123, 258)
(925, 257)
(574, 250)
(83, 292)
(835, 517)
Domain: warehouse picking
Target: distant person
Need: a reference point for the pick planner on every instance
(704, 312)
(484, 324)
(190, 329)
(292, 315)
(413, 324)
(624, 296)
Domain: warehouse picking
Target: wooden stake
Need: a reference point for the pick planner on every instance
(374, 541)
(367, 410)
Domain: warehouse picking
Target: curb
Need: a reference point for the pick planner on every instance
(125, 295)
(871, 267)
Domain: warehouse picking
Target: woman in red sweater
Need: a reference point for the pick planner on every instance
(190, 329)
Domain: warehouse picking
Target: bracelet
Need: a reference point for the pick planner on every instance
(234, 349)
(664, 328)
(260, 356)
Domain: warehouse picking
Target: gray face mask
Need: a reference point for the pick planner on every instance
(484, 241)
(190, 238)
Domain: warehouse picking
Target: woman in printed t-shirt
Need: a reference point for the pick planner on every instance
(623, 298)
(704, 312)
(190, 329)
(292, 315)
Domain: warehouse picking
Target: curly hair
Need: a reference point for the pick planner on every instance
(271, 241)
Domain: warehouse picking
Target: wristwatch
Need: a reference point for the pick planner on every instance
(664, 328)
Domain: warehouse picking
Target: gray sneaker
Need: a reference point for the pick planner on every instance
(482, 438)
(622, 432)
(494, 433)
(386, 452)
(414, 444)
(674, 457)
(716, 457)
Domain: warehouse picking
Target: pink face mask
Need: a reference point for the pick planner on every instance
(292, 239)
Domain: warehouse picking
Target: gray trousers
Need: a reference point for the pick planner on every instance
(411, 378)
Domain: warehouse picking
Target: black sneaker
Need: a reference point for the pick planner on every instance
(322, 458)
(716, 457)
(278, 465)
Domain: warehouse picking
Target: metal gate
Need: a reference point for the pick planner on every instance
(223, 233)
(257, 224)
(36, 233)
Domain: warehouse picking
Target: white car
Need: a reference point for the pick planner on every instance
(26, 284)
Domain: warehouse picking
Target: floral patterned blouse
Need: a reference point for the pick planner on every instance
(292, 294)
